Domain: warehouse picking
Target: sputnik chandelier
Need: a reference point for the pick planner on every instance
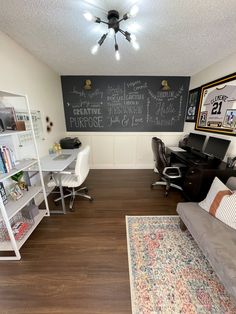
(113, 25)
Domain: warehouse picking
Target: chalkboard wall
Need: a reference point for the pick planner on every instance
(124, 103)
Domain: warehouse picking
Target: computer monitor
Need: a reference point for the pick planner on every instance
(216, 147)
(196, 141)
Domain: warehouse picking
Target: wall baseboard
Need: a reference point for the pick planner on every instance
(122, 166)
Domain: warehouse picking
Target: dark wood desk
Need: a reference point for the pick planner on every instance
(198, 173)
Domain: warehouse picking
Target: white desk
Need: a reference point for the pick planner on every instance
(53, 163)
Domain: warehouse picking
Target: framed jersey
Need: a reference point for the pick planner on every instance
(217, 106)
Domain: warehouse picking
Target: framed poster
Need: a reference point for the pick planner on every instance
(217, 106)
(8, 118)
(193, 101)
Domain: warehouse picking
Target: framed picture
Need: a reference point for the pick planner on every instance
(3, 193)
(16, 192)
(8, 118)
(193, 101)
(217, 106)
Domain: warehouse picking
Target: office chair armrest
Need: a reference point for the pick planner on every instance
(178, 175)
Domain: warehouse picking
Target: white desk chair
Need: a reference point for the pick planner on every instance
(73, 178)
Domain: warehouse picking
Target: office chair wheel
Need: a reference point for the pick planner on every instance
(166, 193)
(91, 199)
(151, 186)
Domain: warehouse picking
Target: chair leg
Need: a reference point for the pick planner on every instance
(176, 186)
(158, 183)
(72, 199)
(84, 196)
(83, 189)
(167, 188)
(72, 194)
(65, 196)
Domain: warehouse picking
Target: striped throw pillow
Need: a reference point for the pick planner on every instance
(226, 211)
(216, 187)
(220, 202)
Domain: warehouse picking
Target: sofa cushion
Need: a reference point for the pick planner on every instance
(216, 240)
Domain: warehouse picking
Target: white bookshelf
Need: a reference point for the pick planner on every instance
(12, 208)
(20, 166)
(7, 133)
(7, 245)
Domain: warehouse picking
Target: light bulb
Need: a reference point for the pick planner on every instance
(133, 37)
(88, 16)
(133, 27)
(111, 32)
(117, 54)
(133, 11)
(135, 44)
(94, 49)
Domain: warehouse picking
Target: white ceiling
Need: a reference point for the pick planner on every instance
(177, 37)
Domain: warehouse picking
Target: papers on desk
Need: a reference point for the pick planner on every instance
(176, 149)
(61, 157)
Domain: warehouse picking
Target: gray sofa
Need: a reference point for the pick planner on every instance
(216, 240)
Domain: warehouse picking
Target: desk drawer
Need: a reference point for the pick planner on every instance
(192, 184)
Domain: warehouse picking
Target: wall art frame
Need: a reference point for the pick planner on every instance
(217, 106)
(192, 105)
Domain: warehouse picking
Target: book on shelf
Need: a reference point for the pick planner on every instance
(7, 159)
(19, 229)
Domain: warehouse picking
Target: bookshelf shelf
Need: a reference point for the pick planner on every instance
(10, 94)
(6, 246)
(9, 133)
(21, 165)
(9, 212)
(13, 207)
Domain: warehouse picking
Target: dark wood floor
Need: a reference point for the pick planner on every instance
(77, 263)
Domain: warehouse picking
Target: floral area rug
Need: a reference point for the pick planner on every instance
(168, 271)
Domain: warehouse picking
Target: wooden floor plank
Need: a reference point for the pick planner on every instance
(77, 263)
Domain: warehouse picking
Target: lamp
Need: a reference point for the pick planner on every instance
(113, 25)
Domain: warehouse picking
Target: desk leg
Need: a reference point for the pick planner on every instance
(63, 211)
(62, 196)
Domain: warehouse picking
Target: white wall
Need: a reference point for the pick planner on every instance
(215, 71)
(123, 150)
(24, 74)
(133, 150)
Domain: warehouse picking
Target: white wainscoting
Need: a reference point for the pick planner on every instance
(123, 150)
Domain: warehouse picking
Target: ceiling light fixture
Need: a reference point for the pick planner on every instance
(113, 25)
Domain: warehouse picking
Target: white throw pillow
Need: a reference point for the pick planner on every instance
(226, 211)
(220, 202)
(215, 188)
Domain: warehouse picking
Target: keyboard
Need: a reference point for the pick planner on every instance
(190, 156)
(187, 155)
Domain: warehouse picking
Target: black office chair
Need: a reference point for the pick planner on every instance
(170, 176)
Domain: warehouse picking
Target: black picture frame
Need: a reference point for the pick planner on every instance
(3, 193)
(192, 105)
(217, 106)
(8, 118)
